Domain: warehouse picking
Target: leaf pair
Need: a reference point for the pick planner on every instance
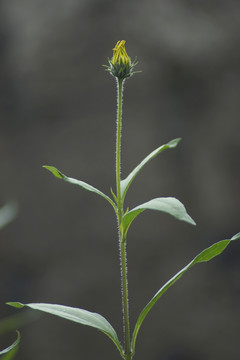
(97, 321)
(168, 205)
(124, 183)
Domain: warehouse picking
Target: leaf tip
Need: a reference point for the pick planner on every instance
(54, 171)
(187, 218)
(193, 222)
(174, 143)
(15, 304)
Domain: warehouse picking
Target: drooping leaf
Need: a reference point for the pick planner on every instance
(80, 316)
(80, 183)
(8, 213)
(168, 205)
(11, 347)
(204, 256)
(126, 182)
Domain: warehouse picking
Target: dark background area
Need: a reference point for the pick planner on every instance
(57, 107)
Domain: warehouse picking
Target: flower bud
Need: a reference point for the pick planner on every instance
(120, 65)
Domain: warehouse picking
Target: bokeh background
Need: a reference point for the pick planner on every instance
(58, 107)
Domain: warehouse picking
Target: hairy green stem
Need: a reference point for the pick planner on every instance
(118, 147)
(125, 300)
(122, 240)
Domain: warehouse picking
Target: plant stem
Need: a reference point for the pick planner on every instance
(118, 148)
(122, 239)
(125, 300)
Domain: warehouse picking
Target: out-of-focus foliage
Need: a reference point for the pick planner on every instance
(8, 213)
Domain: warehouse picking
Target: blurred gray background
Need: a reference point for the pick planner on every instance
(58, 107)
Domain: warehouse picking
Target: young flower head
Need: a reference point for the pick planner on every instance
(120, 55)
(121, 65)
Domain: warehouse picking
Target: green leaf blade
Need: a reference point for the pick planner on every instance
(209, 253)
(80, 183)
(127, 182)
(11, 347)
(169, 205)
(206, 255)
(77, 315)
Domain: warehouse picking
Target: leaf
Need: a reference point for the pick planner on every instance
(204, 256)
(126, 182)
(80, 316)
(11, 354)
(11, 347)
(168, 205)
(8, 213)
(80, 183)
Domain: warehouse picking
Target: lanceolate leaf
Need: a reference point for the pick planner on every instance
(84, 185)
(204, 256)
(11, 347)
(80, 316)
(168, 205)
(126, 182)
